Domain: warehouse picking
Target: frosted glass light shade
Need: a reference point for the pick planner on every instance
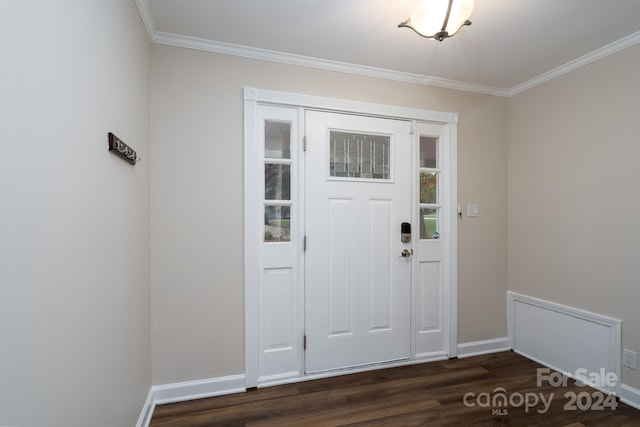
(429, 19)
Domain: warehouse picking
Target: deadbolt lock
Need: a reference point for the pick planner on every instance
(405, 232)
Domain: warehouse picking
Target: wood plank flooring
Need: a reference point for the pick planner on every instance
(429, 394)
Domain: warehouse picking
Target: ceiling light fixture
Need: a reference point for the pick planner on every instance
(439, 19)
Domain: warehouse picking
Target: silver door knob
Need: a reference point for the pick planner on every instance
(405, 253)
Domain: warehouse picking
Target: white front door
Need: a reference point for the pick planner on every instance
(358, 284)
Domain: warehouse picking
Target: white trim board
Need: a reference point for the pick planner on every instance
(147, 17)
(178, 392)
(630, 396)
(199, 389)
(178, 40)
(478, 348)
(189, 390)
(147, 410)
(196, 43)
(345, 105)
(564, 338)
(577, 63)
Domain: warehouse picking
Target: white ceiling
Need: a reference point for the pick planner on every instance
(511, 45)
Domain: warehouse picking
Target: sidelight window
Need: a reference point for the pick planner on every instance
(277, 181)
(429, 188)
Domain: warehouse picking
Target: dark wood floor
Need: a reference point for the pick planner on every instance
(429, 394)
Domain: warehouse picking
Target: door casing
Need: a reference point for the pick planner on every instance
(253, 100)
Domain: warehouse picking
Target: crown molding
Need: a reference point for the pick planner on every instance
(322, 64)
(596, 55)
(147, 17)
(381, 73)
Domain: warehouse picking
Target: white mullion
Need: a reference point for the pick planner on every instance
(272, 161)
(430, 170)
(278, 203)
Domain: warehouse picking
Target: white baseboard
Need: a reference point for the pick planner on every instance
(527, 344)
(147, 410)
(630, 396)
(189, 390)
(478, 348)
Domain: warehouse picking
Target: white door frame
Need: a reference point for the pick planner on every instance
(253, 210)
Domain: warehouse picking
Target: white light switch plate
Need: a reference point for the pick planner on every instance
(473, 210)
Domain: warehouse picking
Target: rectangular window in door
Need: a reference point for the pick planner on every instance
(358, 155)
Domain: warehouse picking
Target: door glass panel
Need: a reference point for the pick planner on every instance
(428, 222)
(428, 187)
(354, 155)
(277, 223)
(277, 182)
(428, 152)
(277, 140)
